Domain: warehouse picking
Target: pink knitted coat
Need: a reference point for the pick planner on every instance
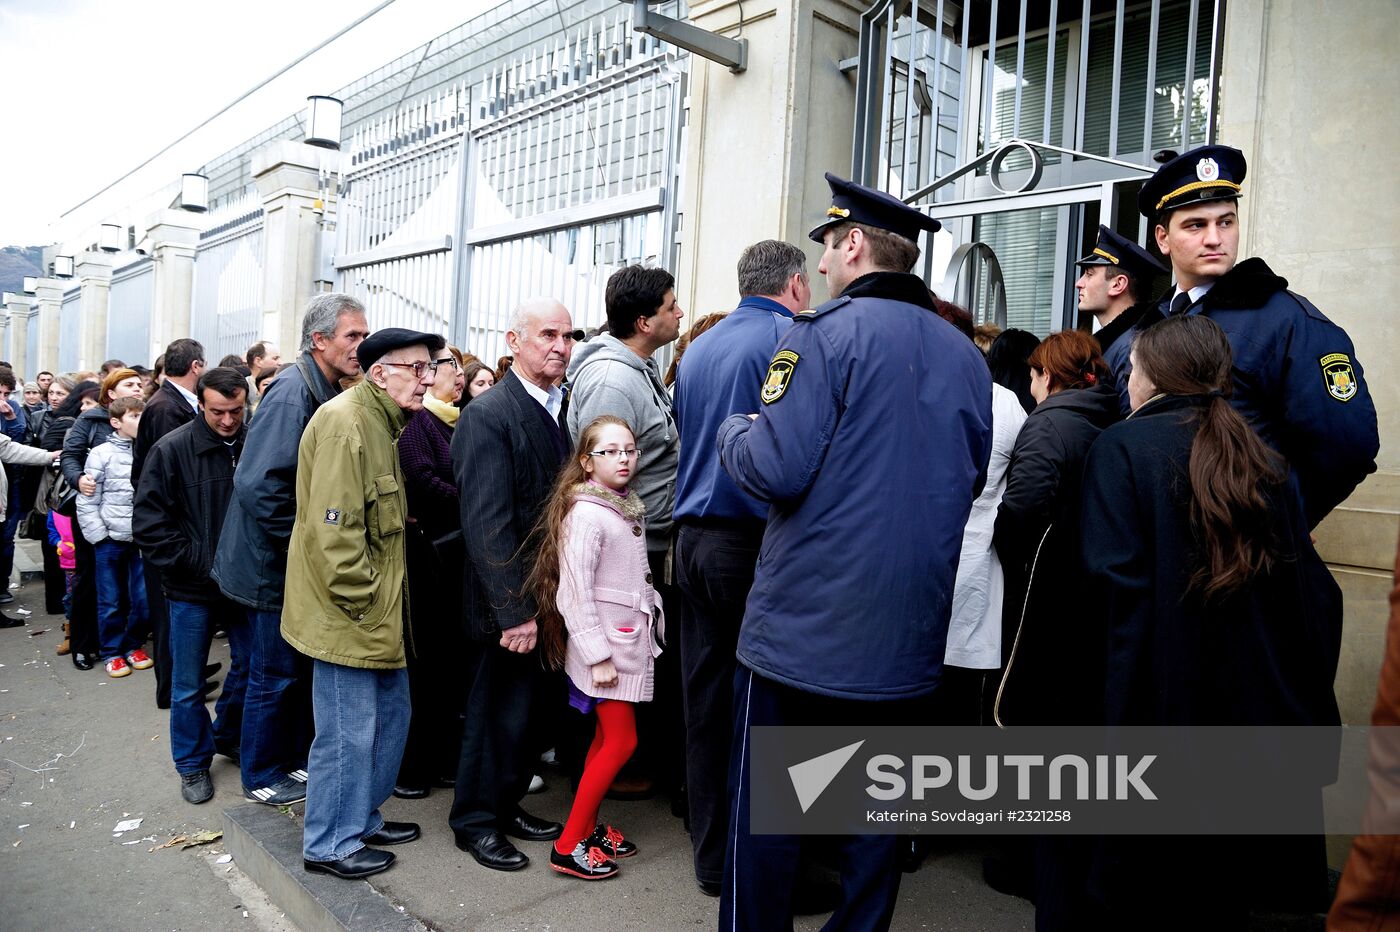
(605, 590)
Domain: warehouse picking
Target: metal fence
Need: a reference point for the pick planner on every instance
(129, 313)
(226, 316)
(397, 211)
(572, 172)
(32, 344)
(70, 333)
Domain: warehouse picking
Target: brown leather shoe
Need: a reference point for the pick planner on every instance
(64, 647)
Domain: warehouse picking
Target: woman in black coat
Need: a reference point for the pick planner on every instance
(57, 423)
(1219, 612)
(434, 555)
(1037, 532)
(91, 428)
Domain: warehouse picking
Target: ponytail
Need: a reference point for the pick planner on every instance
(1231, 470)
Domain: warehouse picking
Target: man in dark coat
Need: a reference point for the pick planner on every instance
(177, 517)
(1114, 283)
(872, 441)
(251, 562)
(173, 404)
(1297, 379)
(506, 454)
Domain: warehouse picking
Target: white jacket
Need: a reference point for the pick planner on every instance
(974, 634)
(107, 512)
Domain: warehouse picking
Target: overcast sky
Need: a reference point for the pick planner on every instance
(92, 88)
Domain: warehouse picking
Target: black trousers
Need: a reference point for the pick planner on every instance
(435, 650)
(82, 627)
(508, 696)
(160, 633)
(760, 870)
(55, 580)
(661, 722)
(714, 570)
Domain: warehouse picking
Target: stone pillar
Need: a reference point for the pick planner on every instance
(94, 270)
(50, 294)
(18, 310)
(787, 120)
(288, 176)
(173, 235)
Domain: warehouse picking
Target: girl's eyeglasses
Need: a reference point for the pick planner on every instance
(631, 454)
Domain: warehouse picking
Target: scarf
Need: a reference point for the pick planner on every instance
(445, 411)
(630, 505)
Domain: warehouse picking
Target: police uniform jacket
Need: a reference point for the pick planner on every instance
(719, 376)
(1116, 342)
(1266, 655)
(872, 442)
(1297, 380)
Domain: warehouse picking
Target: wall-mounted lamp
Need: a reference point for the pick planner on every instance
(7, 297)
(323, 121)
(194, 192)
(110, 238)
(31, 284)
(62, 266)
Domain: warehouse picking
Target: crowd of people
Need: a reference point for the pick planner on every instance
(434, 572)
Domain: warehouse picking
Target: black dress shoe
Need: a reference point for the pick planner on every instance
(7, 621)
(708, 887)
(410, 792)
(211, 668)
(528, 828)
(494, 851)
(394, 833)
(83, 661)
(6, 598)
(363, 863)
(447, 783)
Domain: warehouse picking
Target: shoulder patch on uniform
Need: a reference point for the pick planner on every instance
(1338, 376)
(780, 372)
(332, 515)
(818, 311)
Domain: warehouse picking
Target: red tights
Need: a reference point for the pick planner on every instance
(613, 744)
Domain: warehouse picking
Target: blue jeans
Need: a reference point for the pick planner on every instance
(361, 728)
(276, 706)
(193, 740)
(121, 598)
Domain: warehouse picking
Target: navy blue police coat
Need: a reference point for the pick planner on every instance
(872, 442)
(1297, 381)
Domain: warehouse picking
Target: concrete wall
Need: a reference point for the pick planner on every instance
(1308, 92)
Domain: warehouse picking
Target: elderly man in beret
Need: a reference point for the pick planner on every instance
(345, 600)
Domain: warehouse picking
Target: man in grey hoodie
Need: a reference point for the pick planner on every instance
(616, 373)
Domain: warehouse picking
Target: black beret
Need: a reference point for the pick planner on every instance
(391, 338)
(1121, 252)
(855, 203)
(1209, 173)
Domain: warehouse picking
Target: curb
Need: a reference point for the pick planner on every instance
(266, 844)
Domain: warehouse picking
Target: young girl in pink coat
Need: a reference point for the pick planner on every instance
(605, 628)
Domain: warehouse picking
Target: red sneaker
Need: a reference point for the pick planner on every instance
(140, 660)
(117, 667)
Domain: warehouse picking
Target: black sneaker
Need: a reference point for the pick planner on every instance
(282, 793)
(611, 842)
(586, 863)
(196, 787)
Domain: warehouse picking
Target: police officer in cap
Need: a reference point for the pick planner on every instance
(1297, 379)
(871, 443)
(1114, 284)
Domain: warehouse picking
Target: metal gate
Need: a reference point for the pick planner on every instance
(397, 211)
(573, 162)
(1023, 126)
(70, 333)
(129, 313)
(228, 280)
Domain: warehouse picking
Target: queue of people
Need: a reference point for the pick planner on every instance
(433, 574)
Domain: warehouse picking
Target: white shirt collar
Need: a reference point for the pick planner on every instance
(188, 395)
(1195, 293)
(551, 400)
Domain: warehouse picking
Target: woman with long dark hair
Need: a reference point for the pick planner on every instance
(1219, 612)
(91, 428)
(1007, 358)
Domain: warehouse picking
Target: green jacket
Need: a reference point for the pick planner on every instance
(345, 598)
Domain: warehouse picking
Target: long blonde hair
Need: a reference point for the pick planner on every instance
(543, 582)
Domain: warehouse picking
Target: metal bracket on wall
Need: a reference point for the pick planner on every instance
(732, 53)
